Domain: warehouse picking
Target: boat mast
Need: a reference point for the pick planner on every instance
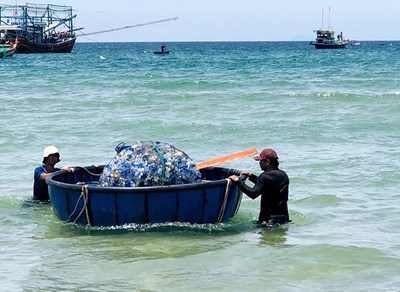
(322, 18)
(329, 19)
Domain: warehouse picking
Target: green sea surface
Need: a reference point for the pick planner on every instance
(333, 116)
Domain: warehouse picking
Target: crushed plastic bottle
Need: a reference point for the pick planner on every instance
(149, 163)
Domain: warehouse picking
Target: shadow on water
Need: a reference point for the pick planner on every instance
(275, 236)
(242, 222)
(230, 231)
(43, 214)
(30, 203)
(137, 242)
(237, 225)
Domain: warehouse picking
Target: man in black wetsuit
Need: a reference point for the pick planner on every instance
(272, 185)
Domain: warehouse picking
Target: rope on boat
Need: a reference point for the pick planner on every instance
(85, 196)
(91, 173)
(222, 210)
(129, 26)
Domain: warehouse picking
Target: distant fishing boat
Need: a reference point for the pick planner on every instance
(39, 28)
(355, 44)
(161, 53)
(326, 38)
(7, 50)
(163, 50)
(45, 28)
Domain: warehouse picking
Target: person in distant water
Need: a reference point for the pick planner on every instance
(51, 157)
(272, 185)
(163, 48)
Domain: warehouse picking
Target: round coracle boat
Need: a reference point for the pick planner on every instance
(77, 197)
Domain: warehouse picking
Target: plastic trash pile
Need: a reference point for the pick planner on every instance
(149, 163)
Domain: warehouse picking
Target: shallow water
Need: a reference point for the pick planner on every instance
(332, 116)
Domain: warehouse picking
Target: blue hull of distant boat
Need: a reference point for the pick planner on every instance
(76, 197)
(330, 46)
(161, 53)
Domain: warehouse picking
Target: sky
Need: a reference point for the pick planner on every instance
(232, 20)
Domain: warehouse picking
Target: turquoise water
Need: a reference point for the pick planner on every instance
(333, 116)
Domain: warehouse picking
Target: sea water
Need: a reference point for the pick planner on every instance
(333, 116)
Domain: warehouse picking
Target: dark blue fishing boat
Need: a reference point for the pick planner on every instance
(161, 53)
(76, 197)
(163, 50)
(326, 37)
(326, 40)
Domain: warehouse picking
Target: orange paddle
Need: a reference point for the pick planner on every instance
(227, 158)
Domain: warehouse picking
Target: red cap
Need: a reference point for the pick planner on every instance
(266, 153)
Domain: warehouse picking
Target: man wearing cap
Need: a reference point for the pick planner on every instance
(272, 185)
(51, 157)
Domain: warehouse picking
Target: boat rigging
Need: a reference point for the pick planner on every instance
(129, 26)
(326, 38)
(33, 27)
(46, 28)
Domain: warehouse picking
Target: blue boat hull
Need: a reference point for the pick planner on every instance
(330, 46)
(76, 197)
(161, 53)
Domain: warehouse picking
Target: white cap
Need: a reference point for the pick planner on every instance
(49, 150)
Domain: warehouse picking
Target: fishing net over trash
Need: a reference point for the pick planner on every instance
(149, 163)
